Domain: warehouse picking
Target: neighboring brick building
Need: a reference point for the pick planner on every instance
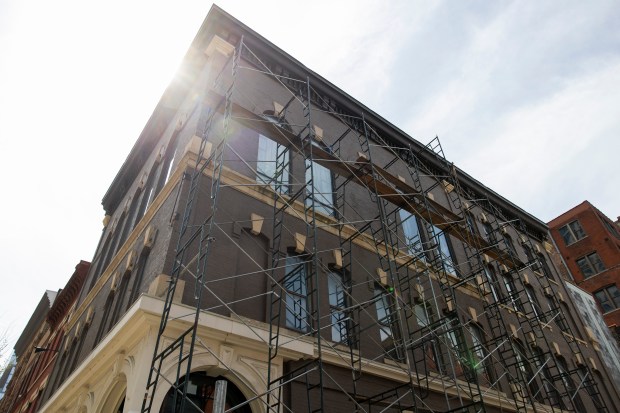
(39, 343)
(589, 243)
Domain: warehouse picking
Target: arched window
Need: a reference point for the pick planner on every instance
(200, 393)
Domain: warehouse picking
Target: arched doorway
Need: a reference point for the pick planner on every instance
(200, 393)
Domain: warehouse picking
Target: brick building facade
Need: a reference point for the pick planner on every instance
(589, 243)
(271, 232)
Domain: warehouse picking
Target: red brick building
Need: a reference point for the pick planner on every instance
(590, 244)
(38, 346)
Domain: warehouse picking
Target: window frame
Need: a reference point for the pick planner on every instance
(572, 233)
(413, 241)
(609, 298)
(323, 198)
(269, 176)
(591, 259)
(297, 296)
(444, 249)
(338, 309)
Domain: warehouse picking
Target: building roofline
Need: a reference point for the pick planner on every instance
(217, 18)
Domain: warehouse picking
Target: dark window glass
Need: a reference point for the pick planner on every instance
(572, 232)
(608, 298)
(323, 187)
(444, 250)
(411, 229)
(296, 293)
(590, 265)
(272, 164)
(337, 307)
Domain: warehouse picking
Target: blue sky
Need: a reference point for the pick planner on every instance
(524, 96)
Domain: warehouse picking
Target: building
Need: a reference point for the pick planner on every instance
(271, 233)
(589, 243)
(38, 345)
(7, 374)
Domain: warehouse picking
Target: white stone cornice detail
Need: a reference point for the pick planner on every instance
(219, 45)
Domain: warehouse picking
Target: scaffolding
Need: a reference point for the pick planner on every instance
(446, 358)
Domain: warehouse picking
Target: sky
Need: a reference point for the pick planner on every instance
(524, 96)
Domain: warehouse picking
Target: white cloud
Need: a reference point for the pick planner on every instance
(563, 138)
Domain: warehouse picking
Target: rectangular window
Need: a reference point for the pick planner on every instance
(608, 298)
(513, 293)
(296, 293)
(385, 316)
(590, 265)
(479, 349)
(323, 188)
(457, 346)
(337, 306)
(411, 230)
(272, 164)
(489, 234)
(424, 318)
(537, 309)
(510, 245)
(471, 223)
(444, 250)
(491, 276)
(572, 232)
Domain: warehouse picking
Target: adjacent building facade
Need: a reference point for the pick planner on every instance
(589, 243)
(270, 232)
(38, 345)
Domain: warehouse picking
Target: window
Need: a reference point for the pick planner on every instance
(411, 229)
(337, 306)
(570, 385)
(471, 223)
(513, 293)
(544, 267)
(530, 257)
(456, 343)
(272, 164)
(424, 317)
(481, 353)
(536, 308)
(510, 245)
(385, 313)
(491, 276)
(488, 233)
(323, 187)
(556, 315)
(572, 232)
(608, 298)
(296, 293)
(542, 365)
(526, 370)
(590, 265)
(444, 250)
